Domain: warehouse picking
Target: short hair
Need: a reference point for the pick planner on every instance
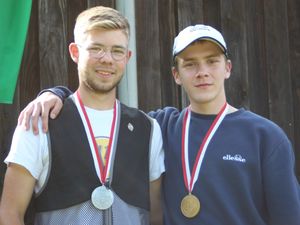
(100, 17)
(175, 60)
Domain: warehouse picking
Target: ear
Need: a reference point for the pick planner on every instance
(74, 52)
(129, 53)
(228, 68)
(176, 76)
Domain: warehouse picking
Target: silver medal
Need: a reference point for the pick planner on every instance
(102, 198)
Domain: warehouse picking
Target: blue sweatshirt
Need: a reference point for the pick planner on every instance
(247, 176)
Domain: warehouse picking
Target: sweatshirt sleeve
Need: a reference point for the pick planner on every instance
(281, 185)
(61, 91)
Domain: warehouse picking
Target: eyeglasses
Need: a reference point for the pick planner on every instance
(97, 52)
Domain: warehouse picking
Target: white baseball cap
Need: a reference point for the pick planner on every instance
(198, 32)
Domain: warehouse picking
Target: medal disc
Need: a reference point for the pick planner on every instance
(102, 197)
(190, 206)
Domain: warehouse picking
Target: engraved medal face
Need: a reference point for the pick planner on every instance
(102, 198)
(190, 206)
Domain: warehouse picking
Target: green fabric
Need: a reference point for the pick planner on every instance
(14, 19)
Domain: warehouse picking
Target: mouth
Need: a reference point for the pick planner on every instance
(104, 73)
(203, 85)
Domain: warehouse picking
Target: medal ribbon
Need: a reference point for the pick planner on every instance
(103, 169)
(190, 179)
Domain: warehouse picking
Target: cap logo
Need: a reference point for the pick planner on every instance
(199, 27)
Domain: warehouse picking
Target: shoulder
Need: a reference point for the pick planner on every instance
(260, 122)
(21, 134)
(164, 112)
(131, 111)
(140, 118)
(29, 150)
(260, 127)
(166, 115)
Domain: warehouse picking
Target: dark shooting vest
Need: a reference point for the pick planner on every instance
(72, 175)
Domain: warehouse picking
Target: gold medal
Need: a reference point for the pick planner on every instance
(190, 206)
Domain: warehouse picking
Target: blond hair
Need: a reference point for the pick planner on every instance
(100, 17)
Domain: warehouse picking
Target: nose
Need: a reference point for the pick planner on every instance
(201, 70)
(107, 57)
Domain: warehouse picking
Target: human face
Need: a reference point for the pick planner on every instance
(202, 69)
(100, 75)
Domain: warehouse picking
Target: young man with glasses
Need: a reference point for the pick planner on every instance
(100, 159)
(224, 166)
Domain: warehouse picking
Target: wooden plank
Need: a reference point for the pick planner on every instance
(257, 75)
(107, 3)
(53, 43)
(234, 32)
(148, 55)
(170, 91)
(212, 13)
(277, 64)
(294, 49)
(189, 13)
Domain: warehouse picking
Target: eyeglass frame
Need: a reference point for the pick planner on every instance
(103, 50)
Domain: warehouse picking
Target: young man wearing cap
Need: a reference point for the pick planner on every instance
(223, 165)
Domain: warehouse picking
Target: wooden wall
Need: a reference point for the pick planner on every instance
(263, 41)
(262, 36)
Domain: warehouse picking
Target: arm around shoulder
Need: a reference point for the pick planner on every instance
(48, 102)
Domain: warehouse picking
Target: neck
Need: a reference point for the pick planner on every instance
(99, 101)
(210, 108)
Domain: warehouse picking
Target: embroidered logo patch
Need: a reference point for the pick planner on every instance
(237, 158)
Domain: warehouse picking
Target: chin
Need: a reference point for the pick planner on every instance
(100, 88)
(203, 101)
(104, 90)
